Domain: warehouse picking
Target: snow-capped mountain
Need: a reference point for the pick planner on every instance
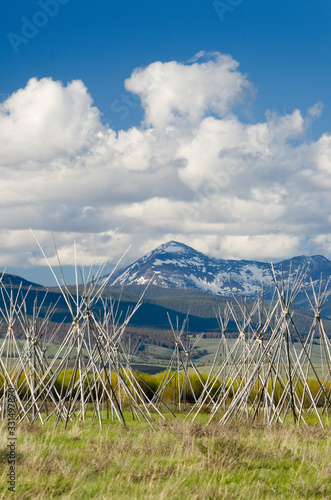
(175, 265)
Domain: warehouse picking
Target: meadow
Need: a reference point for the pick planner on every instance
(183, 460)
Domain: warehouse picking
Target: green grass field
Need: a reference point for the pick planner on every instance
(180, 461)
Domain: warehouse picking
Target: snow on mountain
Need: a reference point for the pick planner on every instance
(175, 265)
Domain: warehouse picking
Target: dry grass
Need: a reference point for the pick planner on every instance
(180, 461)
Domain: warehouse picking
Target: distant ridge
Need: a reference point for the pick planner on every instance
(176, 265)
(148, 315)
(16, 281)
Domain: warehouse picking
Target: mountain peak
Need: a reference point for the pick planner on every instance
(176, 265)
(174, 247)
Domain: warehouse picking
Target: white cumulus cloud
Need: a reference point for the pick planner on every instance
(194, 170)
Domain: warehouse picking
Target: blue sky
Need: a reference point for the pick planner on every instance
(283, 50)
(284, 47)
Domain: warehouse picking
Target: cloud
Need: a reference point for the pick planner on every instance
(173, 91)
(194, 170)
(45, 120)
(256, 247)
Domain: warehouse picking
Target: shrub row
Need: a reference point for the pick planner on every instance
(189, 388)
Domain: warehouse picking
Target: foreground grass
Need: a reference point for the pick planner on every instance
(180, 461)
